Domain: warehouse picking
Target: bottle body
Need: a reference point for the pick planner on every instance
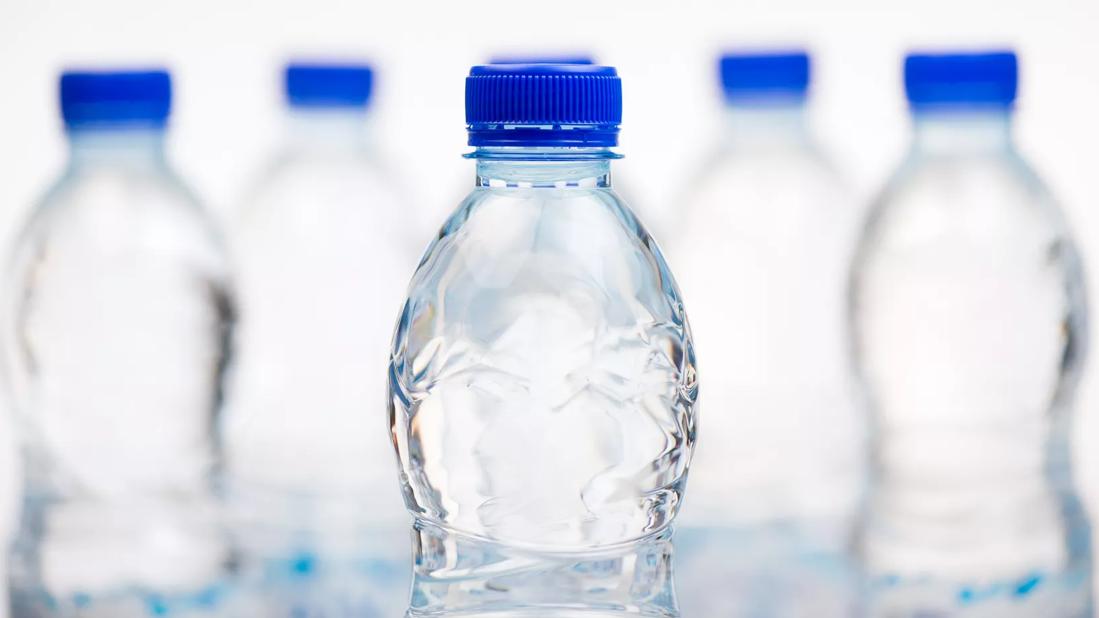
(542, 380)
(763, 247)
(321, 256)
(117, 318)
(969, 319)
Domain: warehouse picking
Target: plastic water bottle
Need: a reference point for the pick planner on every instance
(116, 318)
(763, 245)
(763, 249)
(542, 382)
(323, 252)
(969, 315)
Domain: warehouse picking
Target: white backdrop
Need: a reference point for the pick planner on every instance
(225, 55)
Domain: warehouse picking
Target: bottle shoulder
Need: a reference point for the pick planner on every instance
(99, 213)
(146, 192)
(743, 178)
(562, 217)
(303, 196)
(328, 182)
(529, 201)
(520, 242)
(970, 227)
(964, 174)
(764, 200)
(992, 197)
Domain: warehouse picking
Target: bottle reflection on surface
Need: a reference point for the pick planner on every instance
(361, 573)
(464, 576)
(766, 572)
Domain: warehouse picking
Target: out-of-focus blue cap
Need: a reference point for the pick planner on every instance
(968, 79)
(329, 84)
(765, 76)
(543, 59)
(115, 98)
(569, 105)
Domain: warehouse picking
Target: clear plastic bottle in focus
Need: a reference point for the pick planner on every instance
(763, 245)
(969, 319)
(116, 320)
(323, 252)
(542, 376)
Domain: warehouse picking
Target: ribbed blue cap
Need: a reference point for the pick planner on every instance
(543, 59)
(317, 84)
(115, 98)
(765, 77)
(984, 79)
(577, 105)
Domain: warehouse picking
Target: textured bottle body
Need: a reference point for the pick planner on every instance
(542, 378)
(763, 247)
(969, 315)
(117, 318)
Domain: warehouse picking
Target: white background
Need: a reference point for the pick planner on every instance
(226, 55)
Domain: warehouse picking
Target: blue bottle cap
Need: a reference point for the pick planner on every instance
(765, 77)
(115, 98)
(952, 80)
(553, 105)
(319, 84)
(543, 59)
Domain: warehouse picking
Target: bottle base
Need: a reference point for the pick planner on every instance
(462, 575)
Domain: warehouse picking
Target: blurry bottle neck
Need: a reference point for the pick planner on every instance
(131, 147)
(543, 167)
(766, 124)
(962, 131)
(329, 128)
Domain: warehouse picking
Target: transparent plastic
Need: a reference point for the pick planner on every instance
(116, 320)
(542, 381)
(460, 576)
(322, 256)
(763, 245)
(969, 312)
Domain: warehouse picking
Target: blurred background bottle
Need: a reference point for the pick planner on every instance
(969, 315)
(763, 243)
(116, 318)
(322, 250)
(542, 377)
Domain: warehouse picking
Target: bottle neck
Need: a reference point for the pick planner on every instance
(523, 167)
(329, 128)
(775, 124)
(131, 147)
(962, 131)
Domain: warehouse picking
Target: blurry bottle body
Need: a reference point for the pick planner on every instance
(116, 321)
(763, 247)
(322, 256)
(969, 315)
(542, 377)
